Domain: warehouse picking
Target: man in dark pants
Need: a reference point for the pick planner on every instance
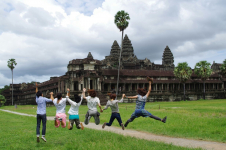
(41, 112)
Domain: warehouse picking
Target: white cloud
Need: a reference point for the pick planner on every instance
(43, 36)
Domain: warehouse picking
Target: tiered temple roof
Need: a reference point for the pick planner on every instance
(115, 49)
(167, 57)
(127, 48)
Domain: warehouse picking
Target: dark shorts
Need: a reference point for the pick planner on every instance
(140, 112)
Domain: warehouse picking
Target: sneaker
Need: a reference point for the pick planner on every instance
(150, 79)
(44, 139)
(122, 126)
(38, 139)
(82, 127)
(103, 125)
(164, 119)
(126, 124)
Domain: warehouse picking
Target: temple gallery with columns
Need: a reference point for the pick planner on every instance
(101, 75)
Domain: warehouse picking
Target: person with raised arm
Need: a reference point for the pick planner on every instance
(115, 110)
(140, 104)
(92, 102)
(41, 112)
(73, 111)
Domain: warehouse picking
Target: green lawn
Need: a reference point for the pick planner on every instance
(202, 119)
(19, 132)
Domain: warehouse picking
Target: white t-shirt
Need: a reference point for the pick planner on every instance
(74, 106)
(60, 107)
(92, 102)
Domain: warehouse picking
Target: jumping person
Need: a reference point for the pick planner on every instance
(41, 112)
(60, 117)
(140, 104)
(114, 109)
(73, 111)
(92, 102)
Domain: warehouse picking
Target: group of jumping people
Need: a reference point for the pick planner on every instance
(92, 102)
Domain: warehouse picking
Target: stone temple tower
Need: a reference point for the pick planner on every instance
(167, 58)
(127, 48)
(115, 50)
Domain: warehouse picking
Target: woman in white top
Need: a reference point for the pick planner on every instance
(60, 117)
(115, 111)
(92, 102)
(73, 111)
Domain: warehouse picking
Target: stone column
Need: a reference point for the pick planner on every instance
(124, 87)
(98, 84)
(72, 85)
(79, 85)
(88, 83)
(137, 85)
(167, 86)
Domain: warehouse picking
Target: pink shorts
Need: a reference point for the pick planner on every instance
(63, 116)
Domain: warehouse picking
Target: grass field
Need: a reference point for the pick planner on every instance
(19, 132)
(203, 119)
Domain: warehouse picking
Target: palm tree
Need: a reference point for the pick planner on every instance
(183, 73)
(203, 70)
(121, 22)
(11, 63)
(223, 68)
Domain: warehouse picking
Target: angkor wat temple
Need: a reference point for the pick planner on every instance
(101, 75)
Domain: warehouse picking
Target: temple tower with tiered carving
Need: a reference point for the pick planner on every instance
(168, 59)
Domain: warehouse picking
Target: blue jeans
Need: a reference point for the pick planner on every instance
(113, 116)
(39, 119)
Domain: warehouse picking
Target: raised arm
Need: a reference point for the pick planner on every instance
(123, 95)
(51, 96)
(149, 89)
(83, 93)
(68, 92)
(36, 90)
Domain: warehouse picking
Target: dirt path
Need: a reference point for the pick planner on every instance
(148, 136)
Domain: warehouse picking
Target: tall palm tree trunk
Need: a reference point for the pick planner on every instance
(119, 65)
(184, 91)
(12, 87)
(204, 90)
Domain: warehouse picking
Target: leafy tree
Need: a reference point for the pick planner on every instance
(223, 68)
(203, 71)
(121, 21)
(183, 73)
(11, 64)
(5, 87)
(2, 99)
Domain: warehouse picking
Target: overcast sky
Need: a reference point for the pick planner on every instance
(44, 35)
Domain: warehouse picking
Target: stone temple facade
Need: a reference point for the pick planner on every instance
(101, 75)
